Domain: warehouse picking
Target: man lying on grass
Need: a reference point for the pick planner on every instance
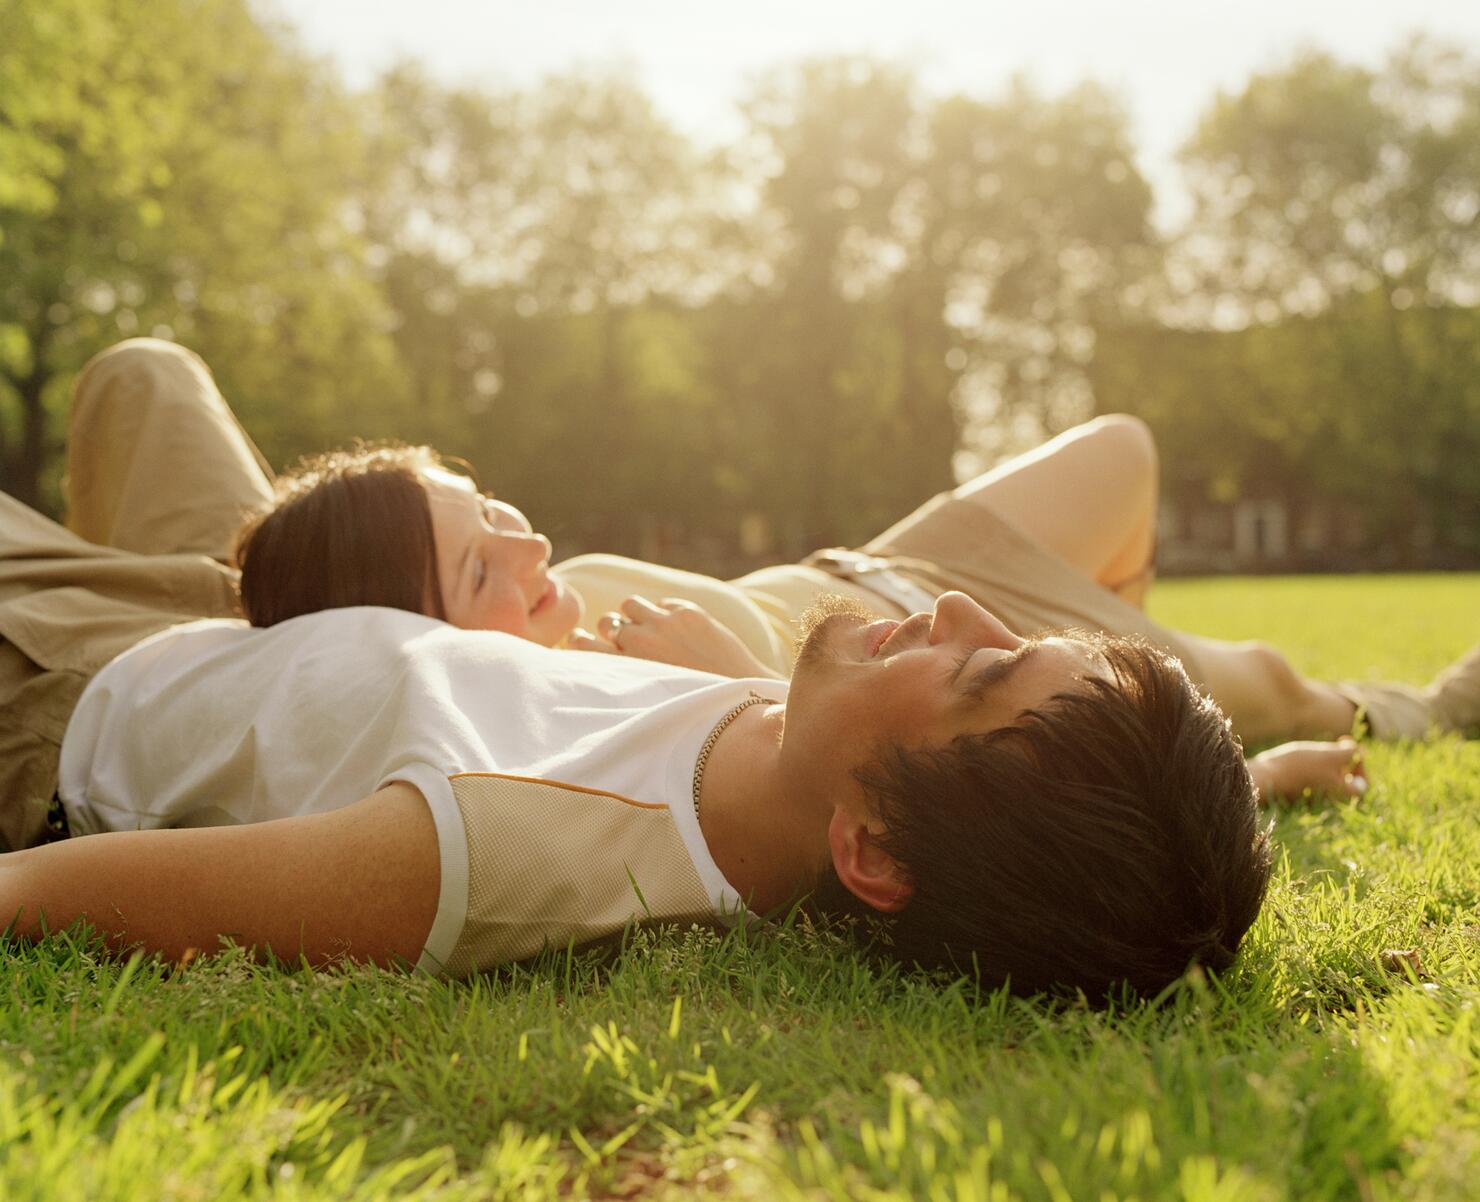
(1060, 812)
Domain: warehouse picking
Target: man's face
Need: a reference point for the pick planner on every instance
(862, 686)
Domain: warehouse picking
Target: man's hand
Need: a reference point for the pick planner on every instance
(1322, 769)
(671, 632)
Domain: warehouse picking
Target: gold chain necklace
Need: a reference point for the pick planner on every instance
(719, 729)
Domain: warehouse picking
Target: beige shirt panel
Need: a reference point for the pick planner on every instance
(551, 864)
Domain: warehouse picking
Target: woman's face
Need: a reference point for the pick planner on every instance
(494, 569)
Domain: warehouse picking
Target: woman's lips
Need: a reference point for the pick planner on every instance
(547, 598)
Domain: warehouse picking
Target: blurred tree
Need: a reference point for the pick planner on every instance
(647, 345)
(1320, 180)
(185, 172)
(936, 265)
(612, 194)
(1045, 222)
(1224, 403)
(506, 221)
(830, 143)
(1328, 189)
(52, 112)
(437, 205)
(42, 85)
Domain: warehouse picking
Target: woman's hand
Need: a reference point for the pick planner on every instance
(1322, 769)
(671, 632)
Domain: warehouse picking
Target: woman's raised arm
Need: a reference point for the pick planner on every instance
(671, 631)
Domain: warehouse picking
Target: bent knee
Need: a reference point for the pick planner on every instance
(133, 369)
(1129, 438)
(142, 352)
(1284, 689)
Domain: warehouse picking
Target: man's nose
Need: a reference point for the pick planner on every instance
(957, 617)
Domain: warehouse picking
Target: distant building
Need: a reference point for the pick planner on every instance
(1267, 533)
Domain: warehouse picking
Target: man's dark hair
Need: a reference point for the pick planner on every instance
(1109, 838)
(348, 527)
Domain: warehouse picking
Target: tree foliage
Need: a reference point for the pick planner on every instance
(1337, 225)
(183, 172)
(649, 344)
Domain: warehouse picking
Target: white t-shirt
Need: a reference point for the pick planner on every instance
(215, 722)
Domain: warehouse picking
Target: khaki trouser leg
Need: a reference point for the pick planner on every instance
(156, 461)
(34, 707)
(160, 476)
(71, 606)
(1399, 711)
(67, 607)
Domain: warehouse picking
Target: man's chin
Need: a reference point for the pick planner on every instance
(821, 621)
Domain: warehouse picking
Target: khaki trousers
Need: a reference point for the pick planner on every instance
(159, 477)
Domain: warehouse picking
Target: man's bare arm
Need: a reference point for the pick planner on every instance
(361, 882)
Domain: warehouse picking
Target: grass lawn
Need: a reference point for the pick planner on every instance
(777, 1066)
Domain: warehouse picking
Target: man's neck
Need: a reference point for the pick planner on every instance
(767, 842)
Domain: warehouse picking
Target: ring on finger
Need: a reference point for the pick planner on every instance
(618, 623)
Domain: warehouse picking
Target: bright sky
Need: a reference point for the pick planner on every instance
(1166, 57)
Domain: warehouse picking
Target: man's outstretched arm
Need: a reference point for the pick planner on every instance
(361, 882)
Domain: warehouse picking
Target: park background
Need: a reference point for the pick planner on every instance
(717, 351)
(711, 348)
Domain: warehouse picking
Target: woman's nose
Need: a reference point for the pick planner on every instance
(505, 517)
(526, 545)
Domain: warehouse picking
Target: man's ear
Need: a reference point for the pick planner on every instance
(867, 871)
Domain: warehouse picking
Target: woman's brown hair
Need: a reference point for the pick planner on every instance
(350, 527)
